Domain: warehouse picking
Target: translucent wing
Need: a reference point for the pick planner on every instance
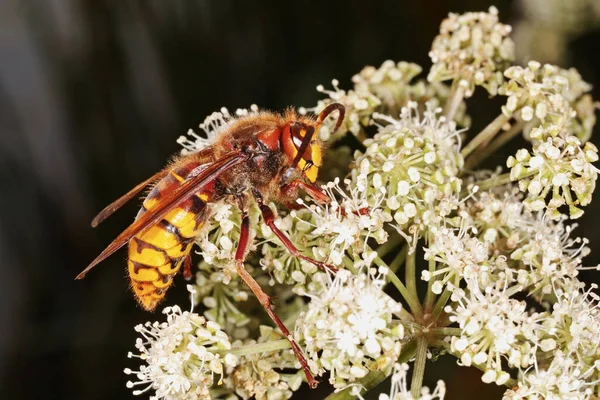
(115, 205)
(167, 203)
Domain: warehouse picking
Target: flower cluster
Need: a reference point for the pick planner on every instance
(460, 256)
(473, 49)
(183, 355)
(566, 365)
(541, 249)
(549, 96)
(495, 327)
(262, 375)
(414, 162)
(348, 328)
(385, 90)
(558, 167)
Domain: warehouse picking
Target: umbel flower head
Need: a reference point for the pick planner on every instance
(542, 250)
(495, 327)
(472, 48)
(359, 105)
(549, 96)
(414, 162)
(348, 328)
(559, 168)
(330, 232)
(265, 376)
(182, 356)
(395, 86)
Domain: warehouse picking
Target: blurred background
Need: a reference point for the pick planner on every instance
(93, 95)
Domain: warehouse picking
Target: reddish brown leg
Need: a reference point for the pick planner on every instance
(187, 268)
(264, 299)
(269, 218)
(311, 189)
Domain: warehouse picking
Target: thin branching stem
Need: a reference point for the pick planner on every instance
(484, 151)
(443, 299)
(430, 296)
(410, 273)
(446, 331)
(486, 134)
(399, 259)
(419, 368)
(256, 348)
(457, 94)
(413, 303)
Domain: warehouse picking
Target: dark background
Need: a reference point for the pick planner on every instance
(93, 95)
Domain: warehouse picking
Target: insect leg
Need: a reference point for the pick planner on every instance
(311, 189)
(264, 299)
(187, 268)
(269, 218)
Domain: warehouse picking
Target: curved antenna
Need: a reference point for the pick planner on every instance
(328, 110)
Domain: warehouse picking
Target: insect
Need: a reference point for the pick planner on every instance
(261, 157)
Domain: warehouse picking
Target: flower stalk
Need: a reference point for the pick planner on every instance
(419, 367)
(485, 135)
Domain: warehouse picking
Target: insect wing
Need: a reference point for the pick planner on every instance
(166, 204)
(115, 205)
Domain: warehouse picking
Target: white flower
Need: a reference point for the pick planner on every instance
(348, 328)
(559, 168)
(494, 327)
(221, 300)
(395, 86)
(414, 162)
(563, 379)
(459, 256)
(349, 220)
(474, 48)
(359, 106)
(390, 83)
(575, 325)
(182, 355)
(265, 376)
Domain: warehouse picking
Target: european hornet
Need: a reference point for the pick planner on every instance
(262, 157)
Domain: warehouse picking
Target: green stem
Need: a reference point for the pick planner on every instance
(503, 180)
(446, 331)
(266, 347)
(486, 134)
(410, 273)
(430, 296)
(441, 303)
(413, 303)
(367, 383)
(484, 151)
(457, 94)
(419, 368)
(399, 260)
(390, 245)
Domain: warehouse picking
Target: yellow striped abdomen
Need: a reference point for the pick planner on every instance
(157, 253)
